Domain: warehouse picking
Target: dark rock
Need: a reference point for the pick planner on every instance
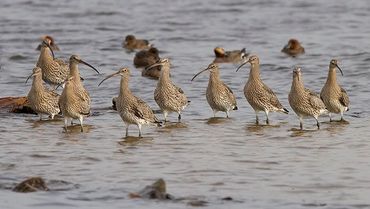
(155, 191)
(32, 184)
(227, 198)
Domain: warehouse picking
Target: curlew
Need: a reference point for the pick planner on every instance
(131, 43)
(219, 96)
(293, 48)
(258, 94)
(169, 97)
(75, 100)
(41, 99)
(332, 94)
(54, 71)
(49, 39)
(235, 56)
(304, 102)
(132, 109)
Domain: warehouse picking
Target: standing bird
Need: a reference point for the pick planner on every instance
(75, 100)
(169, 97)
(132, 109)
(293, 48)
(304, 102)
(258, 94)
(219, 96)
(54, 71)
(332, 94)
(41, 99)
(49, 39)
(131, 43)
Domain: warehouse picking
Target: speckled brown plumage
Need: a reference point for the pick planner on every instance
(54, 71)
(169, 97)
(258, 94)
(304, 102)
(75, 100)
(132, 109)
(332, 94)
(41, 99)
(219, 96)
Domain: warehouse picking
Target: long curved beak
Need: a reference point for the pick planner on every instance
(109, 76)
(339, 69)
(199, 73)
(92, 67)
(154, 65)
(242, 65)
(48, 45)
(29, 77)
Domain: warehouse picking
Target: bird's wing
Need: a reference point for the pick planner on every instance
(315, 100)
(179, 89)
(229, 93)
(272, 97)
(142, 110)
(344, 99)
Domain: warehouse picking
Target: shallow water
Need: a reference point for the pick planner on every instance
(276, 166)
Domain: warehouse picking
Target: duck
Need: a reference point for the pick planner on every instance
(131, 43)
(293, 48)
(234, 56)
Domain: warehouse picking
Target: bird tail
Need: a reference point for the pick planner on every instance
(235, 108)
(284, 110)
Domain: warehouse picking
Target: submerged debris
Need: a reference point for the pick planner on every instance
(32, 184)
(16, 105)
(157, 190)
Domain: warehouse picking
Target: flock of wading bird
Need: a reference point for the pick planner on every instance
(74, 101)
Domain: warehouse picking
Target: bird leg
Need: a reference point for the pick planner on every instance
(139, 126)
(267, 117)
(317, 123)
(301, 123)
(341, 117)
(40, 117)
(127, 130)
(165, 113)
(331, 120)
(227, 114)
(179, 118)
(66, 124)
(81, 123)
(257, 121)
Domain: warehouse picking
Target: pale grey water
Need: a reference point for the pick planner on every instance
(259, 167)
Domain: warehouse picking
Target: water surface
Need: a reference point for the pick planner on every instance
(273, 166)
